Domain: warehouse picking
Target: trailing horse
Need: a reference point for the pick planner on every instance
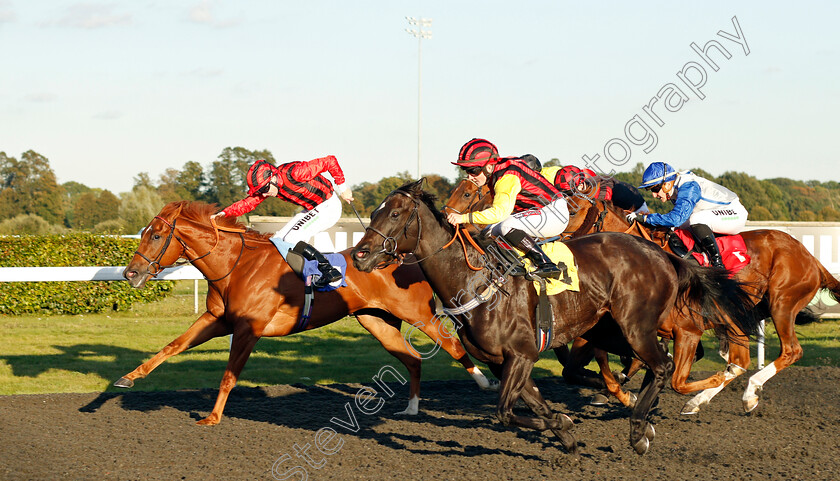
(253, 293)
(630, 279)
(782, 278)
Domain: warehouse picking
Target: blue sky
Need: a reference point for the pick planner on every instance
(107, 90)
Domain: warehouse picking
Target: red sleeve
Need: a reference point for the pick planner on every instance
(306, 171)
(243, 206)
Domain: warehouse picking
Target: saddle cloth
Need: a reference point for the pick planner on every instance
(733, 250)
(305, 268)
(561, 255)
(310, 268)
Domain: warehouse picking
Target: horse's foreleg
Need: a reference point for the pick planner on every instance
(738, 356)
(206, 327)
(574, 367)
(515, 374)
(240, 349)
(388, 334)
(613, 386)
(532, 397)
(448, 340)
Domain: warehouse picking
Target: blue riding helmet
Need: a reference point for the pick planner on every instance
(657, 173)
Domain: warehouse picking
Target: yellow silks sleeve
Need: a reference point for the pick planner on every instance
(550, 173)
(507, 188)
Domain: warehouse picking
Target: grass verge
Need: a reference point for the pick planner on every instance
(87, 353)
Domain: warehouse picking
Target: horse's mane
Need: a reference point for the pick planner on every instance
(413, 189)
(200, 213)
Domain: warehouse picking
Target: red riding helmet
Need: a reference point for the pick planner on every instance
(259, 175)
(476, 153)
(568, 178)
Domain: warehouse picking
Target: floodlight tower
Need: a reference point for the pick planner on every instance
(420, 29)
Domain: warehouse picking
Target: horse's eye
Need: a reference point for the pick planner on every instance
(156, 237)
(395, 214)
(467, 195)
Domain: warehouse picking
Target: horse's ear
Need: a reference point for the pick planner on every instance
(417, 187)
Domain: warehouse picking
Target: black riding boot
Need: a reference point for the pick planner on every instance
(544, 267)
(329, 273)
(706, 239)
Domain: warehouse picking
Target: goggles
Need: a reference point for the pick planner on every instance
(473, 171)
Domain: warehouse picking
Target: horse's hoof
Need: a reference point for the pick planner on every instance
(620, 377)
(491, 386)
(124, 382)
(633, 399)
(750, 404)
(208, 421)
(407, 412)
(650, 432)
(642, 445)
(690, 409)
(599, 400)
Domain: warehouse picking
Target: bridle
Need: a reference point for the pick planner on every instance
(390, 243)
(156, 268)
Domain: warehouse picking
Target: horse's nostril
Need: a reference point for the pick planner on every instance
(361, 254)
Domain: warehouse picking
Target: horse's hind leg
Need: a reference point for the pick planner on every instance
(660, 366)
(206, 327)
(783, 310)
(240, 350)
(387, 332)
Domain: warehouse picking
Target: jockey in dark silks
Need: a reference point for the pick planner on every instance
(570, 180)
(700, 205)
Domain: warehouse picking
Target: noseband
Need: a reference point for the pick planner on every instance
(389, 243)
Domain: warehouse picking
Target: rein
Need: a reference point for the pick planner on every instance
(155, 267)
(389, 243)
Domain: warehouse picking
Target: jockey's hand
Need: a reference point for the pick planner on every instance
(454, 218)
(217, 215)
(636, 217)
(347, 195)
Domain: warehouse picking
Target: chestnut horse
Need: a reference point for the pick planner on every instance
(253, 293)
(783, 277)
(624, 276)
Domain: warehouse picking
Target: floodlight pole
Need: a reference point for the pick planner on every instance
(420, 33)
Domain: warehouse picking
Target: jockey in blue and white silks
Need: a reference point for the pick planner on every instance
(706, 208)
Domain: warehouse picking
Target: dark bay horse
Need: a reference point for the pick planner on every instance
(685, 331)
(253, 293)
(631, 279)
(782, 278)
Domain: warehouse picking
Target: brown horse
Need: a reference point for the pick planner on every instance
(630, 279)
(468, 197)
(685, 331)
(782, 277)
(253, 293)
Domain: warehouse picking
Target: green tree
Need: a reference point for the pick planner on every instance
(29, 186)
(190, 184)
(139, 207)
(227, 173)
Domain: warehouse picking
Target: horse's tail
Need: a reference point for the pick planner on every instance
(829, 282)
(721, 300)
